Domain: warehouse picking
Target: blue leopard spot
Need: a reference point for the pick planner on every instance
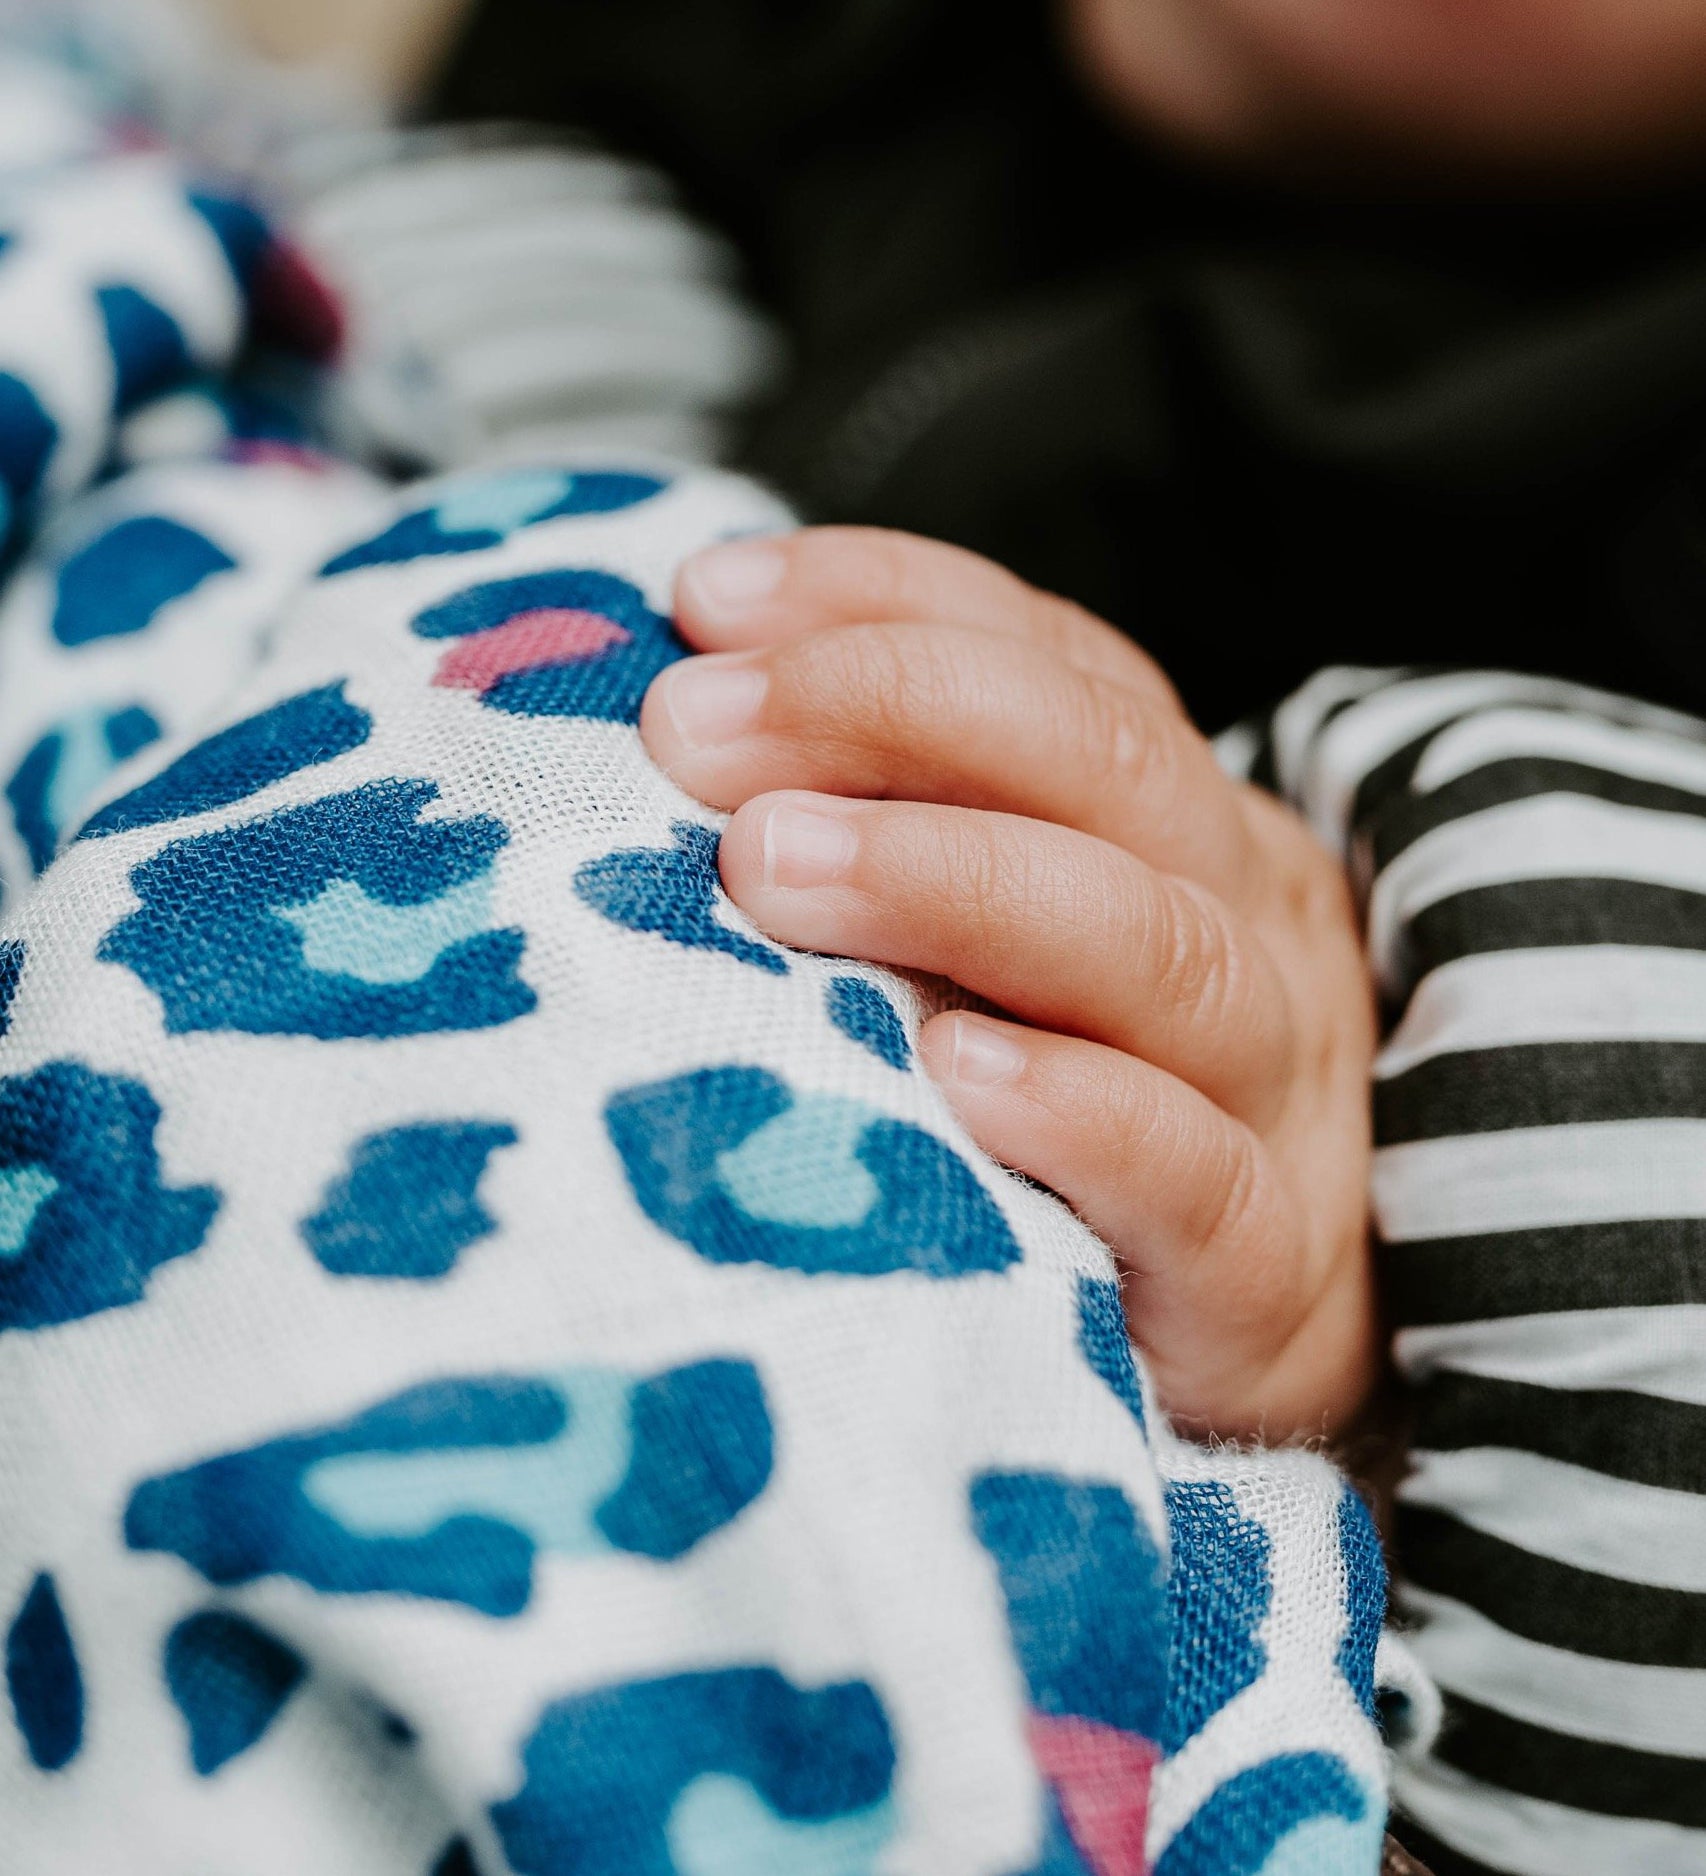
(861, 1012)
(570, 643)
(65, 767)
(147, 346)
(702, 1452)
(240, 230)
(1106, 1342)
(451, 1489)
(473, 515)
(1220, 1591)
(456, 1859)
(409, 1205)
(229, 1679)
(348, 916)
(299, 733)
(43, 1678)
(82, 1209)
(1239, 1827)
(675, 892)
(704, 1775)
(27, 439)
(1365, 1597)
(12, 955)
(114, 584)
(1086, 1596)
(733, 1163)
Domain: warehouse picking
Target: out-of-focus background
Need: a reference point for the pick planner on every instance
(388, 46)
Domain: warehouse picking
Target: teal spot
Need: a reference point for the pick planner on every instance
(550, 1491)
(720, 1826)
(800, 1169)
(501, 503)
(1329, 1846)
(347, 934)
(24, 1190)
(85, 761)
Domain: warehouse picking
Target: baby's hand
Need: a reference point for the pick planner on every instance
(937, 767)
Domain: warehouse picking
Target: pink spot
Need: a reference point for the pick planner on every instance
(291, 305)
(546, 635)
(1101, 1777)
(274, 452)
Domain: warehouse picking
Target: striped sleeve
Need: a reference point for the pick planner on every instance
(1533, 857)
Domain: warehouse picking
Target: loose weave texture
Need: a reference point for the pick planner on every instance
(504, 1367)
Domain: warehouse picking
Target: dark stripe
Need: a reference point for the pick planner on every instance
(1638, 1437)
(1531, 914)
(1586, 1774)
(1521, 778)
(1434, 1853)
(1391, 774)
(1647, 1263)
(1540, 1084)
(1263, 773)
(1550, 1602)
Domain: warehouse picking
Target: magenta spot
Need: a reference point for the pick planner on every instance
(1101, 1778)
(546, 635)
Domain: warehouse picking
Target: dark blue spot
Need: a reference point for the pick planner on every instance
(246, 1515)
(43, 1679)
(240, 761)
(702, 1454)
(1106, 1342)
(1085, 1594)
(926, 1210)
(64, 767)
(1365, 1597)
(397, 1730)
(84, 1218)
(240, 230)
(1220, 1589)
(226, 933)
(116, 583)
(860, 1010)
(603, 1770)
(12, 954)
(148, 349)
(409, 1204)
(607, 686)
(425, 532)
(674, 892)
(456, 1859)
(1238, 1827)
(228, 1679)
(27, 438)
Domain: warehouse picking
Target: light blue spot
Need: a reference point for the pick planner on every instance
(347, 934)
(24, 1190)
(85, 761)
(1329, 1846)
(550, 1491)
(501, 503)
(798, 1169)
(720, 1826)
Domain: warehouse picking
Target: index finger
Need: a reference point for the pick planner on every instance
(745, 594)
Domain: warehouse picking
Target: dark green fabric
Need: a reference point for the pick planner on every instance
(1259, 432)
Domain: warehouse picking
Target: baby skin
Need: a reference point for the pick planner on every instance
(934, 766)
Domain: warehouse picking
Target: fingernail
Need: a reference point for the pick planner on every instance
(806, 849)
(712, 700)
(983, 1055)
(728, 581)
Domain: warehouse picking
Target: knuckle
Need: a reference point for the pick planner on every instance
(1238, 1197)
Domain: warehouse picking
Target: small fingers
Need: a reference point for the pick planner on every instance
(1064, 930)
(1223, 1292)
(765, 589)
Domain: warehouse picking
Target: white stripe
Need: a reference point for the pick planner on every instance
(1582, 993)
(1236, 749)
(1599, 1172)
(1528, 1837)
(1640, 1533)
(1544, 837)
(1645, 754)
(1645, 1351)
(1614, 1702)
(1300, 716)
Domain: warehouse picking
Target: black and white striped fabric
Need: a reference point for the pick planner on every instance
(1534, 862)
